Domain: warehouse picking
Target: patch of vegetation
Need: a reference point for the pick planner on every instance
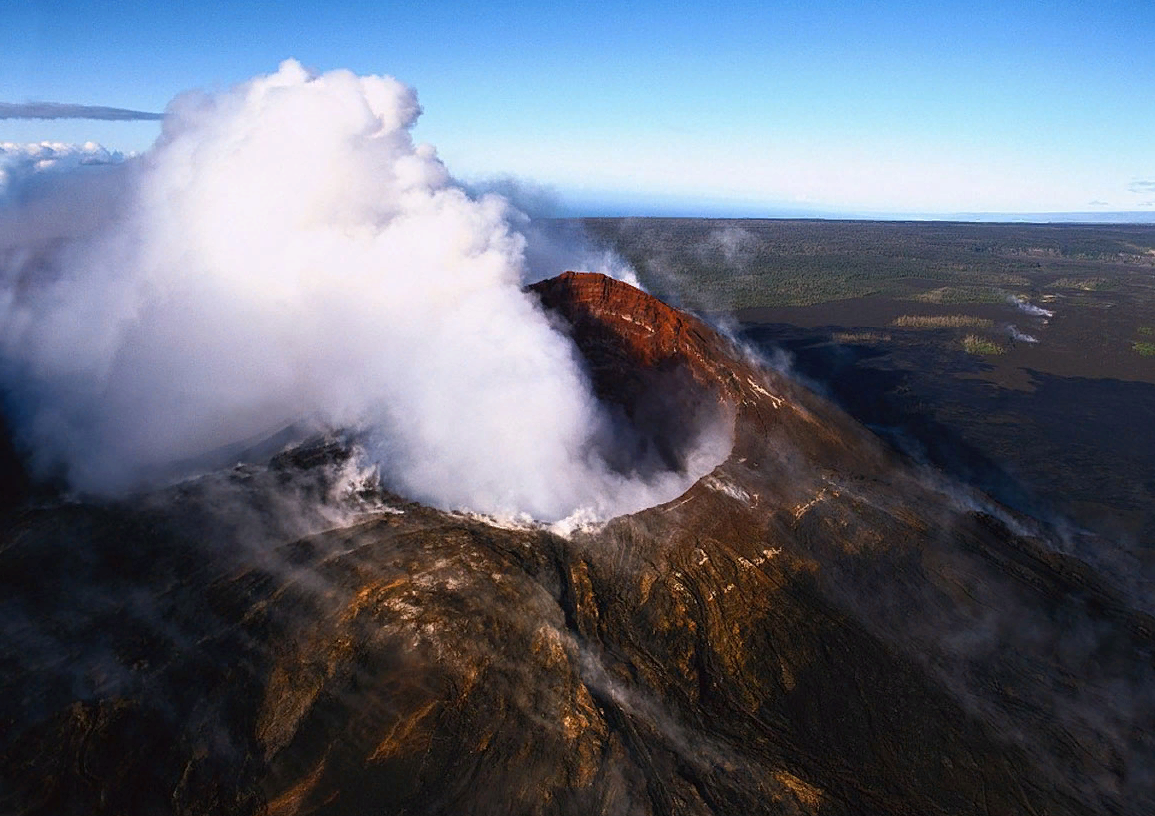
(850, 338)
(727, 264)
(1089, 303)
(1083, 284)
(981, 346)
(1144, 349)
(781, 288)
(1147, 330)
(961, 294)
(942, 322)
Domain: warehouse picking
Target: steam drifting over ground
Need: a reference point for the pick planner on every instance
(1025, 306)
(286, 254)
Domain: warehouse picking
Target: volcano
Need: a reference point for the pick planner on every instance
(817, 626)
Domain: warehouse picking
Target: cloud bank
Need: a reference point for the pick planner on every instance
(64, 110)
(20, 162)
(285, 253)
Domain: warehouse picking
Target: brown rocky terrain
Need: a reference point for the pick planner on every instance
(815, 627)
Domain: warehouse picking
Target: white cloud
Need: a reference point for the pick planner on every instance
(66, 110)
(19, 162)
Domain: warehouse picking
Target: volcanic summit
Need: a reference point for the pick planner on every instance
(817, 626)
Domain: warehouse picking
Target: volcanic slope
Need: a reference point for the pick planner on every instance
(815, 627)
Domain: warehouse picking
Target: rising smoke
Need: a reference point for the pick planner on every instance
(1025, 306)
(286, 254)
(1020, 337)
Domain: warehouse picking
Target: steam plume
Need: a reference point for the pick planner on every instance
(1025, 306)
(1019, 336)
(284, 253)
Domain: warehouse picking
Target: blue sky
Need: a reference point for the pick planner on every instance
(816, 107)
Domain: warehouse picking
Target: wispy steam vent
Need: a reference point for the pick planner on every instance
(286, 254)
(1020, 337)
(1025, 306)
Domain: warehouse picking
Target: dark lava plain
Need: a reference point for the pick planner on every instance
(1063, 427)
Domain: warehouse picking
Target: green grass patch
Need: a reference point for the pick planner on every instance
(1147, 330)
(981, 346)
(1144, 349)
(1082, 284)
(942, 322)
(961, 294)
(850, 338)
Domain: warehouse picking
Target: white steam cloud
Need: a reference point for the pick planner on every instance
(1019, 336)
(1025, 306)
(734, 246)
(285, 252)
